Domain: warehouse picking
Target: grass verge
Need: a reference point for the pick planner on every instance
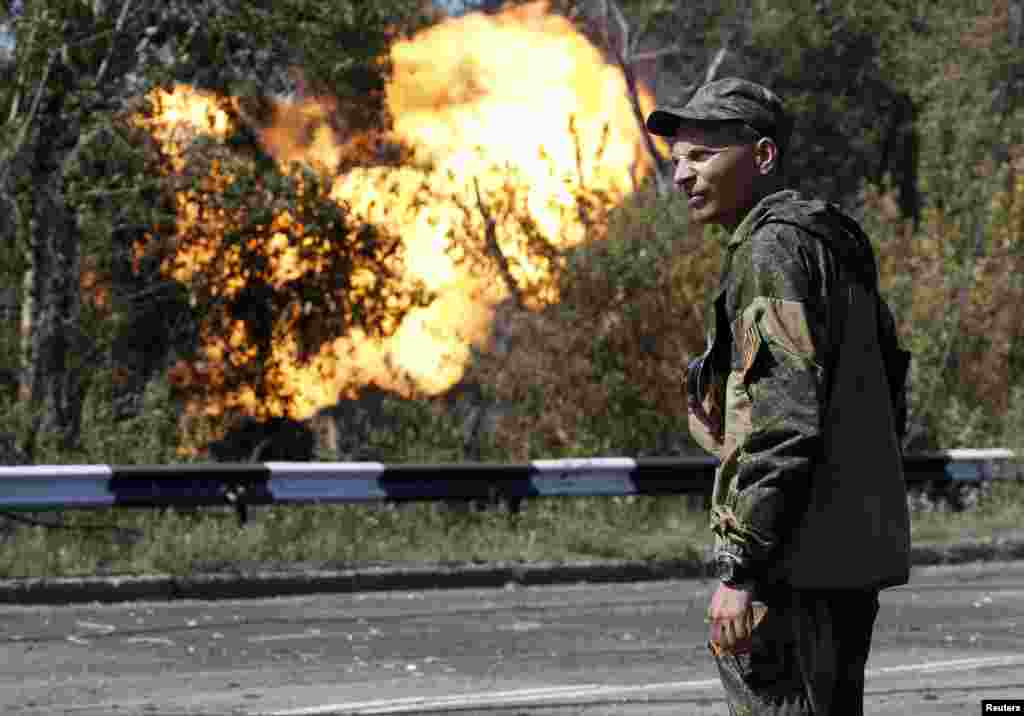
(999, 514)
(338, 536)
(341, 536)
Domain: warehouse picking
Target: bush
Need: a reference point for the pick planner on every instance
(958, 313)
(601, 372)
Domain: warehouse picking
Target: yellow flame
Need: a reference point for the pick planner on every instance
(517, 106)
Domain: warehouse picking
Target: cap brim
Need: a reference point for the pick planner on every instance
(663, 122)
(666, 122)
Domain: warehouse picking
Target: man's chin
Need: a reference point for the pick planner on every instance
(701, 217)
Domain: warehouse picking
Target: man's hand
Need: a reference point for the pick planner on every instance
(732, 618)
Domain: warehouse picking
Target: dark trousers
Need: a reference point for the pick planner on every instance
(807, 657)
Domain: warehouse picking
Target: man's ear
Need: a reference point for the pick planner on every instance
(766, 155)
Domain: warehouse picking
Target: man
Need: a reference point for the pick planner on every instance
(800, 395)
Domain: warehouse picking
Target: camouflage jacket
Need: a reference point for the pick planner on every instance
(809, 491)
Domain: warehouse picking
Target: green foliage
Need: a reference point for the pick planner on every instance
(638, 360)
(148, 438)
(960, 304)
(255, 220)
(422, 433)
(341, 45)
(600, 372)
(902, 108)
(1012, 436)
(120, 541)
(997, 515)
(126, 541)
(850, 114)
(909, 104)
(407, 430)
(80, 69)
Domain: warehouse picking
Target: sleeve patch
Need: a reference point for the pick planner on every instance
(781, 323)
(750, 342)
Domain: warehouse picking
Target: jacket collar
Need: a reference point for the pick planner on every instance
(760, 210)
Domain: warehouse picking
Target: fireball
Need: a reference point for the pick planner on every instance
(512, 121)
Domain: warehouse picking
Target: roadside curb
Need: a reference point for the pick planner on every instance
(258, 584)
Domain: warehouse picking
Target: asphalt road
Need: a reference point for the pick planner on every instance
(952, 637)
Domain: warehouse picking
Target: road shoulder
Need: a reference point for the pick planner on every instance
(298, 579)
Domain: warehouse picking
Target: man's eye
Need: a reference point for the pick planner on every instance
(694, 157)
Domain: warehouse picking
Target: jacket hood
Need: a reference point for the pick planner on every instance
(826, 221)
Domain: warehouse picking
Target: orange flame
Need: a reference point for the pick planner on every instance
(508, 116)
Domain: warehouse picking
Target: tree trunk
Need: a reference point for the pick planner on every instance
(26, 331)
(53, 315)
(50, 318)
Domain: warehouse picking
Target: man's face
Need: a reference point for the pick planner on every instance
(716, 171)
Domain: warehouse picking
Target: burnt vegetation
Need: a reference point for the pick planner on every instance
(911, 118)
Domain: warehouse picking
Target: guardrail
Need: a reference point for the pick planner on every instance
(61, 487)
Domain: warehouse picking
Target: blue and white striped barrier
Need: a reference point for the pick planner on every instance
(81, 486)
(48, 487)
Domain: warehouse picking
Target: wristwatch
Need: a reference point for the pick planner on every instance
(732, 574)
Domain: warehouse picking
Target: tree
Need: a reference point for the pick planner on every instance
(269, 257)
(964, 76)
(63, 62)
(672, 48)
(76, 69)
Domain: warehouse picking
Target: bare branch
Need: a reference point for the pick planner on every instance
(603, 145)
(85, 40)
(716, 63)
(634, 43)
(94, 193)
(493, 248)
(620, 19)
(579, 149)
(16, 102)
(113, 42)
(604, 23)
(155, 289)
(23, 134)
(653, 54)
(625, 62)
(621, 44)
(11, 218)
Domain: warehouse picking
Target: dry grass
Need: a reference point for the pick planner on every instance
(602, 371)
(340, 536)
(1001, 514)
(337, 536)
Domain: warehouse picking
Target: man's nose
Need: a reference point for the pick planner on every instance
(683, 175)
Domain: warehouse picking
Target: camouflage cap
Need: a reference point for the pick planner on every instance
(729, 99)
